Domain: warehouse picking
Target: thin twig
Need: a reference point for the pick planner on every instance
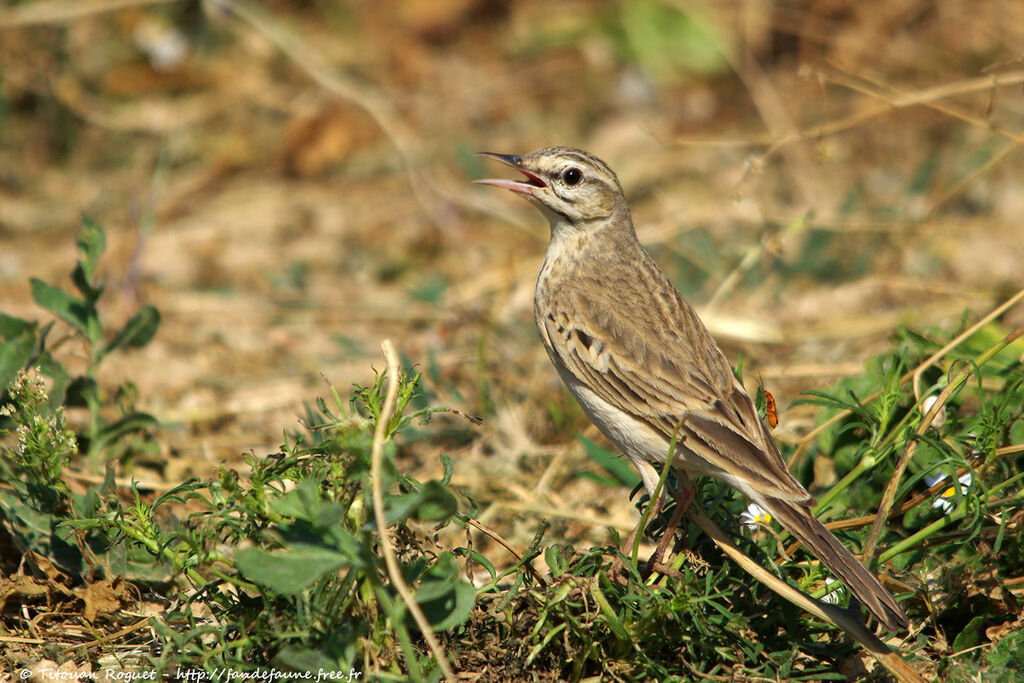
(999, 310)
(919, 98)
(108, 639)
(1016, 139)
(61, 11)
(964, 182)
(26, 641)
(752, 256)
(497, 538)
(930, 97)
(926, 97)
(772, 109)
(380, 435)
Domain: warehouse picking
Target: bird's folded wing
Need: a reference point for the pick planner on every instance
(676, 393)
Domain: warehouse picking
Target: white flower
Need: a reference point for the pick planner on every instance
(754, 516)
(945, 500)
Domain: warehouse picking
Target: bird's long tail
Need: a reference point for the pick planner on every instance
(799, 521)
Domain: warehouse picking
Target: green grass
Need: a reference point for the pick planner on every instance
(283, 567)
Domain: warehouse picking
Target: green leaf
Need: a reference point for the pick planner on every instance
(616, 465)
(13, 327)
(557, 557)
(91, 243)
(138, 331)
(17, 348)
(972, 634)
(81, 282)
(1017, 431)
(129, 424)
(448, 468)
(431, 503)
(304, 503)
(1008, 656)
(83, 391)
(445, 598)
(30, 527)
(610, 617)
(75, 311)
(289, 571)
(291, 505)
(181, 493)
(476, 557)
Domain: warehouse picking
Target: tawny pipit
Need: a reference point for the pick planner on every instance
(642, 364)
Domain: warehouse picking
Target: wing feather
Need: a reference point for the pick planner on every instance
(660, 382)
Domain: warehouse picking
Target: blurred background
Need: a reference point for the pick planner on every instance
(288, 182)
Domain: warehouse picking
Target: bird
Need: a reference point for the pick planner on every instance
(644, 367)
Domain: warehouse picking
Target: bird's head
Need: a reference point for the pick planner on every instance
(572, 188)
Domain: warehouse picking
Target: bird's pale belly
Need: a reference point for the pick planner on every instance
(637, 439)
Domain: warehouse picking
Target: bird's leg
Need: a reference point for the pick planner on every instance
(683, 494)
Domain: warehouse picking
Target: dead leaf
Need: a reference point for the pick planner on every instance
(20, 586)
(57, 579)
(102, 597)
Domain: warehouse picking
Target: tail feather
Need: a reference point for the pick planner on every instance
(799, 521)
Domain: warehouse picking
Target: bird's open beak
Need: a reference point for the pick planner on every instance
(532, 182)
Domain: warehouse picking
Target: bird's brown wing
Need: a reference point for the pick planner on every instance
(664, 368)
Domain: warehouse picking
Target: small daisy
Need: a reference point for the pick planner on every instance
(945, 500)
(754, 516)
(832, 597)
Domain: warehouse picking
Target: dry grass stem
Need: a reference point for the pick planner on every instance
(380, 435)
(64, 11)
(959, 339)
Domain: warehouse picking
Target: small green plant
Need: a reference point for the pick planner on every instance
(44, 444)
(297, 545)
(39, 503)
(37, 389)
(33, 465)
(25, 344)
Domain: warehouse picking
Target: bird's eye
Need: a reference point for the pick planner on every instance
(572, 176)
